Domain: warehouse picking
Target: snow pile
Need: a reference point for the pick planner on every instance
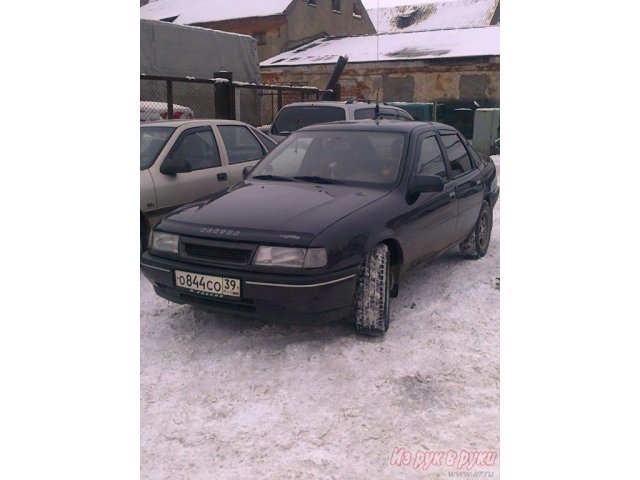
(198, 11)
(434, 15)
(464, 42)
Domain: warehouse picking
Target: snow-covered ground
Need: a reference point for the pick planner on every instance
(227, 397)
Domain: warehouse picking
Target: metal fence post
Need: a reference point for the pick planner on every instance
(279, 99)
(169, 100)
(225, 101)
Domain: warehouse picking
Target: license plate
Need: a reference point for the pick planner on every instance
(208, 285)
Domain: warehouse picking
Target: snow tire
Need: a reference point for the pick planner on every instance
(372, 293)
(477, 243)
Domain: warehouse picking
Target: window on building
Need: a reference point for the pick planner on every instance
(357, 11)
(261, 37)
(335, 6)
(312, 3)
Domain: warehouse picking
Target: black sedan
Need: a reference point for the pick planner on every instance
(324, 227)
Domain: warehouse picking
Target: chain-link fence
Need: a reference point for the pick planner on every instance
(163, 98)
(258, 105)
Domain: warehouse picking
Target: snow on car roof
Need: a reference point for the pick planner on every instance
(434, 15)
(198, 11)
(462, 42)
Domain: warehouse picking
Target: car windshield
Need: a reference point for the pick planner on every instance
(336, 157)
(152, 140)
(291, 119)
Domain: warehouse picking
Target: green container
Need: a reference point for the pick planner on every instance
(486, 130)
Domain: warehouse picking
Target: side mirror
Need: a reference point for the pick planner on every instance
(246, 171)
(171, 166)
(427, 183)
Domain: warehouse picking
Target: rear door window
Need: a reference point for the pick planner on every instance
(198, 148)
(294, 118)
(241, 145)
(459, 159)
(266, 141)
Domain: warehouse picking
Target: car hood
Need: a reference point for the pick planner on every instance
(280, 212)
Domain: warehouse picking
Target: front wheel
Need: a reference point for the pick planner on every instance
(477, 243)
(144, 236)
(372, 293)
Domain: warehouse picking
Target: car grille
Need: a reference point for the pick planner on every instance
(218, 254)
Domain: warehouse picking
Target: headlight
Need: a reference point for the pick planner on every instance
(291, 257)
(164, 242)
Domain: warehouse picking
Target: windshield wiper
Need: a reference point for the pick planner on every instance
(317, 179)
(277, 178)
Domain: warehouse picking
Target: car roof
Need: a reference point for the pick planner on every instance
(347, 105)
(390, 125)
(194, 121)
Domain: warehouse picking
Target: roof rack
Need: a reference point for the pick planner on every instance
(363, 100)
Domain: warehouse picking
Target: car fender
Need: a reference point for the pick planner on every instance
(148, 201)
(395, 247)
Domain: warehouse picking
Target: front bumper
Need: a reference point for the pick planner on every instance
(288, 298)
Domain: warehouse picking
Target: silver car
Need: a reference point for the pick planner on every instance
(297, 115)
(183, 160)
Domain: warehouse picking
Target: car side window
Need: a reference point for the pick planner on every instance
(241, 145)
(198, 148)
(459, 159)
(364, 114)
(430, 160)
(369, 113)
(266, 141)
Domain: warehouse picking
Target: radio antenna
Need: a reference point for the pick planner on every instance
(378, 32)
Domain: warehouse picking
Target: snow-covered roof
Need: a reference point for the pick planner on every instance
(462, 42)
(199, 11)
(434, 15)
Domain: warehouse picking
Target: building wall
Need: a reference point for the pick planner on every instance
(299, 25)
(307, 22)
(402, 81)
(274, 27)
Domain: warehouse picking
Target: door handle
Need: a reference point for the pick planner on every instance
(222, 177)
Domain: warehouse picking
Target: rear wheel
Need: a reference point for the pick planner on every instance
(477, 243)
(372, 293)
